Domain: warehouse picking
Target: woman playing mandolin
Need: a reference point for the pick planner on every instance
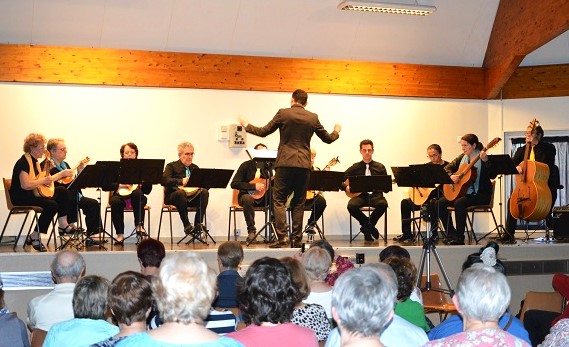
(33, 186)
(478, 190)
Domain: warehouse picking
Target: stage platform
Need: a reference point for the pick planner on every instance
(530, 264)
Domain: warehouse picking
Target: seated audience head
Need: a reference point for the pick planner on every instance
(184, 288)
(67, 267)
(267, 293)
(393, 251)
(299, 277)
(482, 294)
(324, 244)
(406, 274)
(130, 298)
(229, 255)
(367, 292)
(316, 262)
(150, 253)
(488, 255)
(90, 297)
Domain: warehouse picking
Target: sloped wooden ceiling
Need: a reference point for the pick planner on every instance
(521, 26)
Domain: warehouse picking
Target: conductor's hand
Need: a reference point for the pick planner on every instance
(259, 187)
(243, 121)
(337, 128)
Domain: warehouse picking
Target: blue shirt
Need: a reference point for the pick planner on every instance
(144, 340)
(79, 332)
(227, 289)
(454, 325)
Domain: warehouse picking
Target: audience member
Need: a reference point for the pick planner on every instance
(12, 330)
(67, 268)
(362, 305)
(184, 290)
(402, 253)
(312, 316)
(339, 264)
(267, 297)
(221, 321)
(130, 298)
(316, 262)
(229, 257)
(538, 322)
(487, 255)
(482, 296)
(89, 325)
(406, 308)
(150, 253)
(558, 335)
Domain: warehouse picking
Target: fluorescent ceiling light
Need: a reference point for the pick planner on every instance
(412, 8)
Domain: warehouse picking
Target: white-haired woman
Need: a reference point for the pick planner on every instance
(482, 296)
(362, 304)
(184, 290)
(316, 262)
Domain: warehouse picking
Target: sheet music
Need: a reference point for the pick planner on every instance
(262, 153)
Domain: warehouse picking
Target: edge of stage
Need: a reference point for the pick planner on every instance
(530, 264)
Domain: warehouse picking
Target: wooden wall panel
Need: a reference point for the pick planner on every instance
(538, 82)
(69, 65)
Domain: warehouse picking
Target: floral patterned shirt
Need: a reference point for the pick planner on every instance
(479, 338)
(342, 264)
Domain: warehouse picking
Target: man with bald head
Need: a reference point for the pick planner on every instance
(67, 268)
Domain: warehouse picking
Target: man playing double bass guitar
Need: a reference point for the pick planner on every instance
(250, 179)
(541, 152)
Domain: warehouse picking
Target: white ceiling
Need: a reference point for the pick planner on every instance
(455, 35)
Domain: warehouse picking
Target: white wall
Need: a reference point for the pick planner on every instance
(95, 121)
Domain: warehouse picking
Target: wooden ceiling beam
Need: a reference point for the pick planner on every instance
(520, 27)
(538, 82)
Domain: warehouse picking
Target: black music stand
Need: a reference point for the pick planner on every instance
(140, 171)
(96, 176)
(504, 166)
(268, 157)
(325, 181)
(205, 179)
(371, 184)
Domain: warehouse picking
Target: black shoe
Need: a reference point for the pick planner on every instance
(36, 244)
(91, 242)
(140, 231)
(506, 238)
(399, 238)
(310, 228)
(364, 229)
(68, 230)
(454, 242)
(188, 229)
(280, 244)
(434, 237)
(251, 236)
(374, 232)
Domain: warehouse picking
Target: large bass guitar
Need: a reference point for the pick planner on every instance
(466, 176)
(531, 198)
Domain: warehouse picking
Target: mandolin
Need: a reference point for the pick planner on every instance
(126, 189)
(43, 190)
(531, 198)
(67, 180)
(350, 194)
(190, 191)
(310, 194)
(466, 176)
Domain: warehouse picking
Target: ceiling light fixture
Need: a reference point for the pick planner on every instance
(412, 8)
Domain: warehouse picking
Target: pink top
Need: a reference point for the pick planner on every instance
(282, 335)
(479, 338)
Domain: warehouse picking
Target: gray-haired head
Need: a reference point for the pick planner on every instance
(483, 293)
(368, 292)
(90, 297)
(68, 266)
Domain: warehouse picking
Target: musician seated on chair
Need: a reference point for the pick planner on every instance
(419, 196)
(251, 181)
(479, 192)
(128, 196)
(540, 152)
(367, 167)
(176, 176)
(75, 198)
(315, 200)
(34, 187)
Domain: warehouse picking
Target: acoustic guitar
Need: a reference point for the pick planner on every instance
(466, 176)
(350, 194)
(310, 194)
(43, 190)
(419, 195)
(531, 198)
(67, 180)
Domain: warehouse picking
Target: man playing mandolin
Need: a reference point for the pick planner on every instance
(174, 179)
(419, 196)
(476, 181)
(251, 181)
